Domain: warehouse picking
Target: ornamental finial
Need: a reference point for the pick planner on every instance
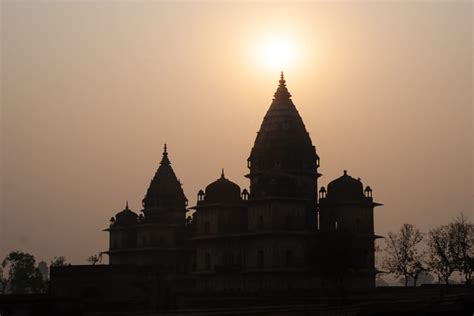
(282, 79)
(165, 160)
(282, 92)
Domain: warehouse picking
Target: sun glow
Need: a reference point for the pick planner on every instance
(278, 53)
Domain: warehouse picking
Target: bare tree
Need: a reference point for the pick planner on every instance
(402, 254)
(58, 262)
(461, 246)
(424, 278)
(441, 260)
(95, 259)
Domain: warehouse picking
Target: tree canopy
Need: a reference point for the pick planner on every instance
(23, 275)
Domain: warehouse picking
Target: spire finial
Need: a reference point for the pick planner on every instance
(282, 91)
(165, 160)
(222, 174)
(282, 79)
(345, 172)
(126, 205)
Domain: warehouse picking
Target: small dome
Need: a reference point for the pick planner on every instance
(345, 187)
(222, 190)
(126, 217)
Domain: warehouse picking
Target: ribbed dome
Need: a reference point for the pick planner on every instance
(126, 217)
(222, 191)
(345, 188)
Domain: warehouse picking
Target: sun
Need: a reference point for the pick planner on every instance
(278, 53)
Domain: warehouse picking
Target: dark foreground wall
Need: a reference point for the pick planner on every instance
(38, 305)
(116, 288)
(385, 301)
(425, 300)
(389, 301)
(130, 290)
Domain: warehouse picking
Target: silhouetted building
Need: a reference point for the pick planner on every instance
(279, 235)
(43, 268)
(158, 236)
(283, 247)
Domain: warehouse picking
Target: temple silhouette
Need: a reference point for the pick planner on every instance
(285, 246)
(278, 235)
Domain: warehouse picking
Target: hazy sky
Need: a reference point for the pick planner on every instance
(92, 90)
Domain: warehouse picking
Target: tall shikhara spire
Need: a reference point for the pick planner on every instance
(282, 146)
(165, 190)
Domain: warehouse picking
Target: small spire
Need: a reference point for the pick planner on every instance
(126, 205)
(345, 172)
(222, 174)
(165, 160)
(282, 92)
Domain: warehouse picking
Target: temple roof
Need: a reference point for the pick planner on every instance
(126, 217)
(345, 187)
(222, 191)
(165, 189)
(283, 132)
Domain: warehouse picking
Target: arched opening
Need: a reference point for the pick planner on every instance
(288, 222)
(260, 223)
(260, 259)
(207, 261)
(288, 258)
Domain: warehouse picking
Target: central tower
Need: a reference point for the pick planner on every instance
(282, 205)
(283, 161)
